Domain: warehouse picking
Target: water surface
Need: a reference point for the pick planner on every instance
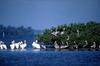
(49, 58)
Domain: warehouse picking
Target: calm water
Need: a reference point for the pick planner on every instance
(49, 58)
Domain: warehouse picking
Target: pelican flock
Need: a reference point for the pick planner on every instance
(23, 44)
(20, 45)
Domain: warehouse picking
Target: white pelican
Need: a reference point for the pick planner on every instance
(36, 45)
(2, 45)
(56, 45)
(12, 45)
(94, 45)
(23, 45)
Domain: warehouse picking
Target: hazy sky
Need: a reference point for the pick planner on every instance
(41, 14)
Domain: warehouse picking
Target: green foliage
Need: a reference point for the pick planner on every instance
(89, 31)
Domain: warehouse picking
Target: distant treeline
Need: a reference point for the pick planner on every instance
(15, 31)
(77, 32)
(9, 33)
